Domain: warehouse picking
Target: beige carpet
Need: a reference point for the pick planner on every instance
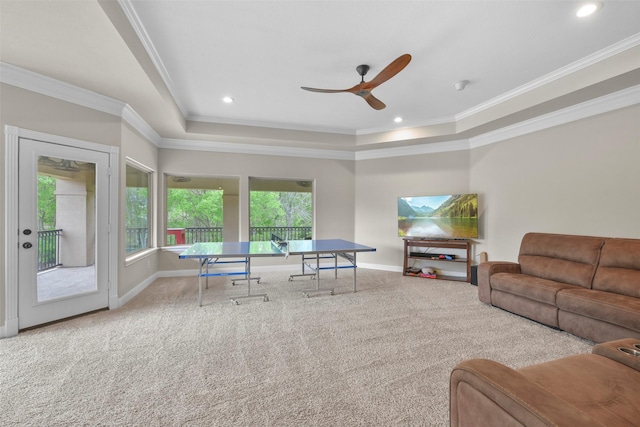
(379, 357)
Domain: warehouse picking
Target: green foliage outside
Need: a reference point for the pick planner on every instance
(46, 203)
(137, 215)
(280, 209)
(189, 208)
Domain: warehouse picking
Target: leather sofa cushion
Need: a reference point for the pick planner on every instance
(609, 307)
(561, 258)
(619, 269)
(535, 288)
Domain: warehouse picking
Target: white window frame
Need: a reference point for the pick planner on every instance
(153, 247)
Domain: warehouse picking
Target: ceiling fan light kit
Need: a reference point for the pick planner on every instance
(363, 89)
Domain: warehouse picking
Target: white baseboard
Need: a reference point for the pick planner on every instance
(381, 267)
(9, 329)
(136, 290)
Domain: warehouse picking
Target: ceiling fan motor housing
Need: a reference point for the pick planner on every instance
(362, 69)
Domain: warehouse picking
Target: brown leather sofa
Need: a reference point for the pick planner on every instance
(597, 389)
(588, 286)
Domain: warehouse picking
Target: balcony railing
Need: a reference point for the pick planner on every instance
(49, 249)
(286, 233)
(214, 234)
(137, 237)
(202, 234)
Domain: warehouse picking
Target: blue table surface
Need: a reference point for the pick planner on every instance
(266, 248)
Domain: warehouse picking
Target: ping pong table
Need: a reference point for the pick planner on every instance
(212, 254)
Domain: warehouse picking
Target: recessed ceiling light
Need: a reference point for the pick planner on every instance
(461, 84)
(227, 99)
(588, 9)
(398, 120)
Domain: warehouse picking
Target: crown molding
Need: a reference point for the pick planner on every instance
(130, 116)
(38, 83)
(29, 80)
(604, 104)
(587, 61)
(413, 150)
(272, 125)
(35, 82)
(410, 125)
(149, 47)
(264, 150)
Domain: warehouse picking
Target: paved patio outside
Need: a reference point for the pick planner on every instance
(62, 282)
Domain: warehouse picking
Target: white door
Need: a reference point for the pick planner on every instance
(63, 232)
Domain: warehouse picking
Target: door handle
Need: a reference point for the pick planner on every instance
(27, 245)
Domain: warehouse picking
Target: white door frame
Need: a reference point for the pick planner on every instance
(12, 141)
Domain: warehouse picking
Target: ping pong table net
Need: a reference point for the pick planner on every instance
(280, 244)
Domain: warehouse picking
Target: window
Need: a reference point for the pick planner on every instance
(280, 207)
(201, 209)
(138, 208)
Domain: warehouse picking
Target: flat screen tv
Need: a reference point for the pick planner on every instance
(447, 216)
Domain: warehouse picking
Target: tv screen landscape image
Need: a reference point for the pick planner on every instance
(447, 216)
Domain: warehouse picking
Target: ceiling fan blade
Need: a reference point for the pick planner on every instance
(311, 89)
(374, 102)
(391, 70)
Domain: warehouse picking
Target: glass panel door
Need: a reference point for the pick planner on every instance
(63, 226)
(66, 228)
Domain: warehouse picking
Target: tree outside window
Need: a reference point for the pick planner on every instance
(138, 211)
(280, 207)
(196, 209)
(46, 202)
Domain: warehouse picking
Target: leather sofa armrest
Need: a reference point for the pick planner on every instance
(486, 269)
(487, 393)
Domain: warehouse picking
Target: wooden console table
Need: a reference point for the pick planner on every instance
(411, 243)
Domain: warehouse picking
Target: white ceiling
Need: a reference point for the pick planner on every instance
(173, 61)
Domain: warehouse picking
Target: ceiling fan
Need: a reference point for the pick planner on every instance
(363, 88)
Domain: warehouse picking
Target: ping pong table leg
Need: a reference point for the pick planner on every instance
(317, 271)
(200, 281)
(207, 261)
(317, 289)
(248, 273)
(354, 271)
(236, 300)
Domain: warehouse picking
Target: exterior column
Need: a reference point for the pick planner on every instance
(75, 215)
(230, 218)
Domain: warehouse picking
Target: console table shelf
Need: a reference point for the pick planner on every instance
(412, 252)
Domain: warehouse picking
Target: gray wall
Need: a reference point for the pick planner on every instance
(578, 178)
(380, 182)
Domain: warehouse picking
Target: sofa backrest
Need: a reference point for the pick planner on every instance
(619, 268)
(560, 257)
